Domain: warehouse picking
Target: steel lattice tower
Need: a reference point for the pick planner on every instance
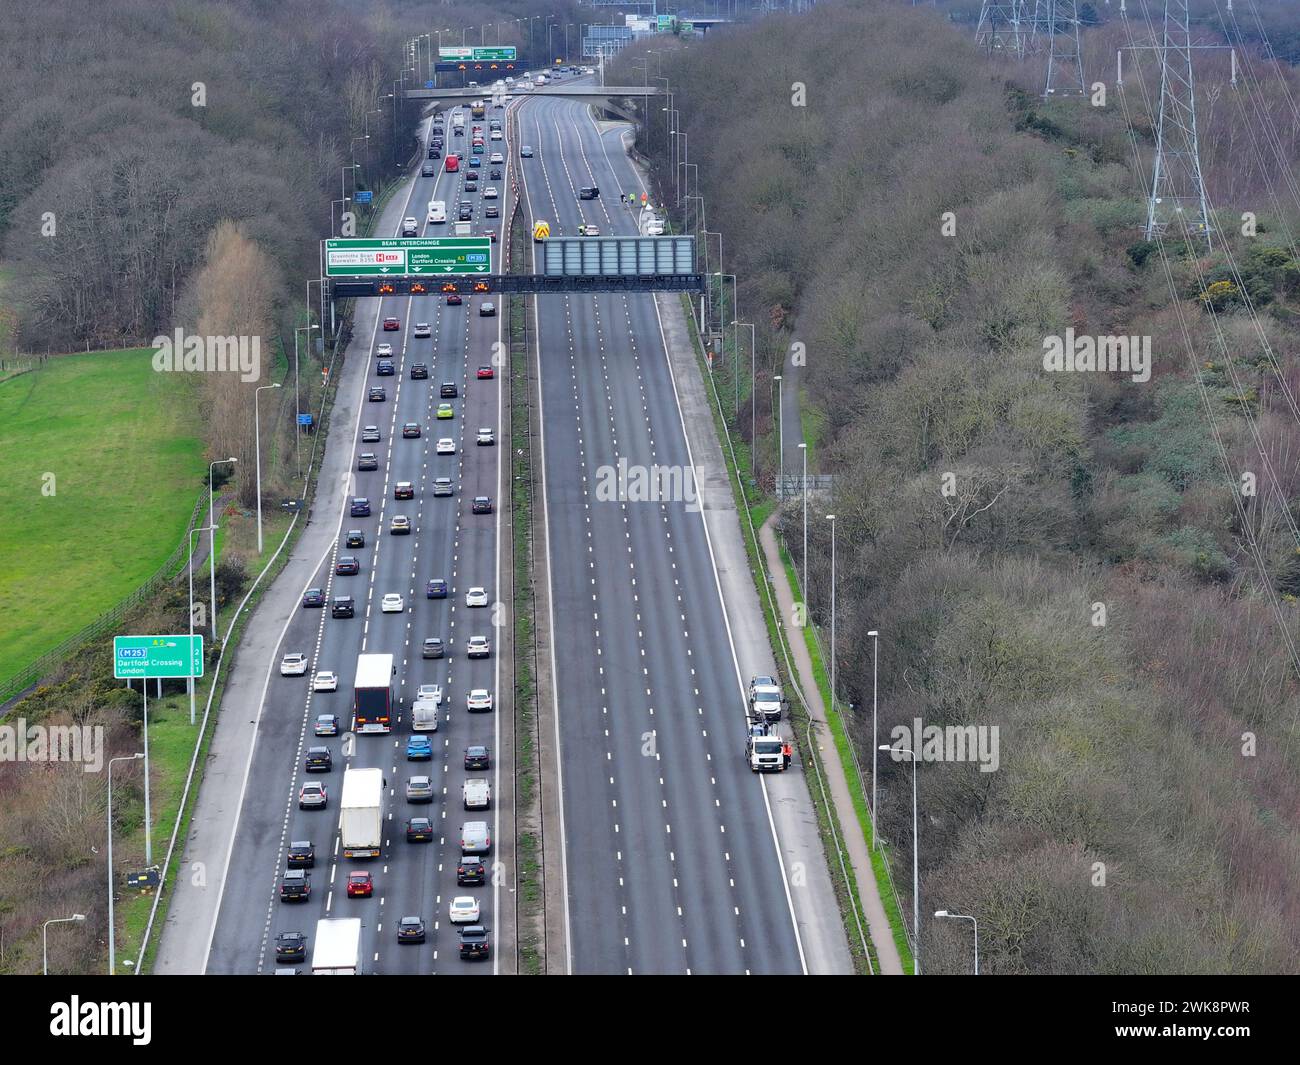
(1065, 57)
(1002, 26)
(1177, 184)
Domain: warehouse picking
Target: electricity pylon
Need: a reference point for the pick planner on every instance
(1177, 184)
(1002, 26)
(1065, 54)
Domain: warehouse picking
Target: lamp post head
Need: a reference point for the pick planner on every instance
(803, 446)
(941, 913)
(873, 632)
(830, 517)
(885, 747)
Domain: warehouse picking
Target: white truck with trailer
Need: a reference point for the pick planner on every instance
(361, 820)
(765, 748)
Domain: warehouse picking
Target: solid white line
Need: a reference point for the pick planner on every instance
(550, 606)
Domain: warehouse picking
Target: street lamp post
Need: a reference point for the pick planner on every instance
(190, 571)
(972, 920)
(45, 950)
(780, 436)
(916, 877)
(875, 739)
(257, 436)
(297, 402)
(112, 939)
(831, 519)
(803, 447)
(212, 543)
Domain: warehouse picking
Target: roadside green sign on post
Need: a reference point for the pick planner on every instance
(147, 657)
(356, 257)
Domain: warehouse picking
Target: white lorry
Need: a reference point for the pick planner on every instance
(337, 950)
(765, 748)
(361, 821)
(765, 701)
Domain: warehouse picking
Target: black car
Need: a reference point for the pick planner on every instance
(481, 505)
(302, 854)
(290, 946)
(343, 607)
(410, 930)
(360, 507)
(377, 395)
(495, 175)
(313, 597)
(433, 647)
(478, 757)
(410, 430)
(465, 214)
(428, 170)
(474, 941)
(588, 192)
(355, 538)
(295, 886)
(318, 760)
(435, 152)
(385, 368)
(470, 871)
(436, 589)
(347, 566)
(448, 390)
(419, 372)
(367, 461)
(419, 830)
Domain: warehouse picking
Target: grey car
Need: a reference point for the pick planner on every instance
(419, 789)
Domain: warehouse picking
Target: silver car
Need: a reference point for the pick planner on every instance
(419, 789)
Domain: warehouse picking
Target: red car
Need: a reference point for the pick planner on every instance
(360, 886)
(485, 373)
(454, 300)
(391, 325)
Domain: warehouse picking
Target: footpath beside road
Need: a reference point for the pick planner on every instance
(855, 844)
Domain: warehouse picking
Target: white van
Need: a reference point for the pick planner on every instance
(437, 212)
(477, 794)
(424, 715)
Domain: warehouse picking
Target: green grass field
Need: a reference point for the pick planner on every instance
(119, 440)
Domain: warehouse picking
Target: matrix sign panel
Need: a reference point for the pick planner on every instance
(476, 55)
(617, 256)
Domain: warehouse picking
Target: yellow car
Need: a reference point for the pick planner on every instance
(445, 410)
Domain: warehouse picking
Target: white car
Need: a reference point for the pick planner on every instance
(480, 699)
(496, 159)
(446, 446)
(476, 597)
(478, 647)
(392, 603)
(496, 135)
(422, 330)
(293, 664)
(464, 909)
(384, 351)
(432, 692)
(486, 437)
(325, 681)
(490, 193)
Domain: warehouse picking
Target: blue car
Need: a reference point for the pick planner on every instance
(418, 749)
(474, 160)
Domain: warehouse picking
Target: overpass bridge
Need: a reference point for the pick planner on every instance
(611, 97)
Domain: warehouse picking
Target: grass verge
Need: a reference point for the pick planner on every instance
(99, 449)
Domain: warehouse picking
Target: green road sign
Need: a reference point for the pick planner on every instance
(348, 257)
(469, 54)
(139, 657)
